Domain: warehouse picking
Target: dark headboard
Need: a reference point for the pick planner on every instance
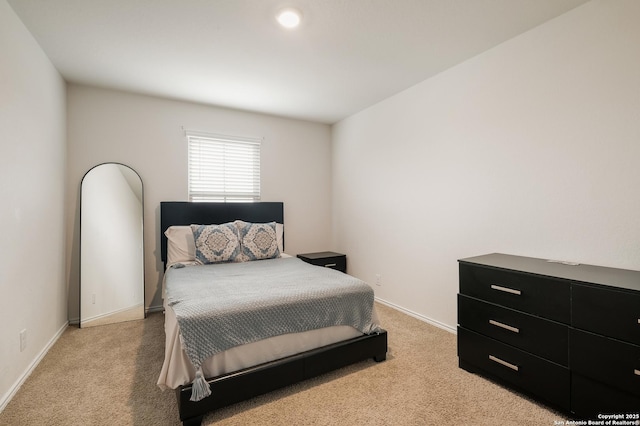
(186, 213)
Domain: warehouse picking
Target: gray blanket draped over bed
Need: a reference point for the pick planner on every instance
(225, 305)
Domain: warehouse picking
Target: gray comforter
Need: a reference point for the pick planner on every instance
(225, 305)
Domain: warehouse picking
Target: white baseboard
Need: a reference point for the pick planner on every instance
(150, 309)
(18, 383)
(417, 316)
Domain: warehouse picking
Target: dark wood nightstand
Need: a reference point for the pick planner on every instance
(328, 259)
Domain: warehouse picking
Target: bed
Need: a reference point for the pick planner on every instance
(247, 370)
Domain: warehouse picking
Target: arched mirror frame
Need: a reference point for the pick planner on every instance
(132, 312)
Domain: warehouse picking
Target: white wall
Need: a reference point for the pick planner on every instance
(146, 134)
(530, 148)
(32, 168)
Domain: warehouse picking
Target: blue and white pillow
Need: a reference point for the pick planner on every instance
(258, 240)
(216, 243)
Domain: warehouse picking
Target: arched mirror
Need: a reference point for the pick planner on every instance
(111, 245)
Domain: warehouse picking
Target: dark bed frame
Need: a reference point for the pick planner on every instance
(241, 385)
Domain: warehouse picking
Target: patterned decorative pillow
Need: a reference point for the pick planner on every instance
(216, 243)
(258, 240)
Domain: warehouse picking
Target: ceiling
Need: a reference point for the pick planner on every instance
(345, 56)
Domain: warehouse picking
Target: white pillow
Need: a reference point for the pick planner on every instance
(181, 246)
(280, 236)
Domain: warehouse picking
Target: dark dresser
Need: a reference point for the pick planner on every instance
(566, 334)
(327, 259)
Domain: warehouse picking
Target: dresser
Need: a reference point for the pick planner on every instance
(566, 334)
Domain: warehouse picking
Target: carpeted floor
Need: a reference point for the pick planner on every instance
(106, 376)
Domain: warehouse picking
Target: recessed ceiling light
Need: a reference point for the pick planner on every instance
(289, 17)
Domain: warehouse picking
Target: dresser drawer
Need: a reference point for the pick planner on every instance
(530, 374)
(590, 398)
(609, 312)
(543, 296)
(607, 360)
(545, 338)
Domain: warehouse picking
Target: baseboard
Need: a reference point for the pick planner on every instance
(18, 383)
(158, 308)
(417, 316)
(150, 309)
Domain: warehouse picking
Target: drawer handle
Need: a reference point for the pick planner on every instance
(636, 372)
(506, 289)
(505, 363)
(505, 326)
(330, 265)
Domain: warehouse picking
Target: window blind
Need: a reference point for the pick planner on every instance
(223, 168)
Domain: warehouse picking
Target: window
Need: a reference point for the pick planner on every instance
(223, 168)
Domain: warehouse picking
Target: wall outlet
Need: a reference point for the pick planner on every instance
(23, 340)
(378, 279)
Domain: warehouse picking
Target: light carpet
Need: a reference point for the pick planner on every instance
(107, 375)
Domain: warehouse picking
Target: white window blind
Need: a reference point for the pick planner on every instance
(223, 168)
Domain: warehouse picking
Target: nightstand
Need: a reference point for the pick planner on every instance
(328, 259)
